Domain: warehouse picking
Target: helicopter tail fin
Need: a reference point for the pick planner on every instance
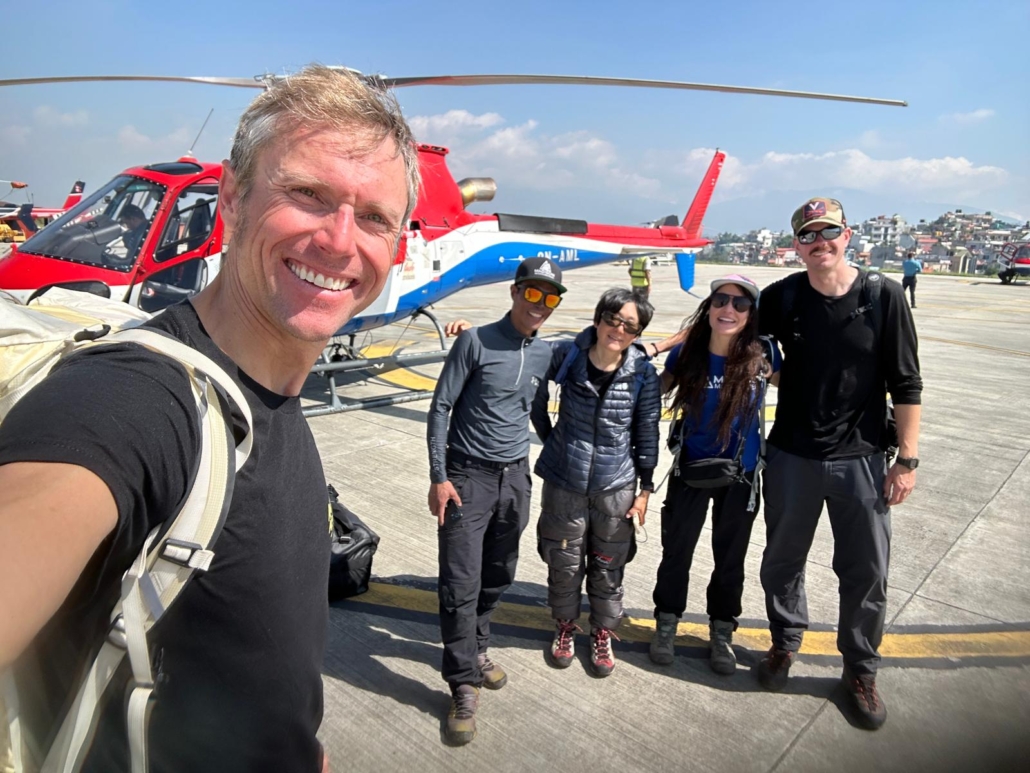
(698, 207)
(74, 195)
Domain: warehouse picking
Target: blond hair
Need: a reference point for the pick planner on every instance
(320, 96)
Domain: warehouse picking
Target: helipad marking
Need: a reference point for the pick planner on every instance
(903, 646)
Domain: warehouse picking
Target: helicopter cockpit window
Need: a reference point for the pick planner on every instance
(105, 229)
(191, 221)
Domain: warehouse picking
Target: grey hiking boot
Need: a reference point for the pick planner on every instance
(461, 719)
(494, 677)
(663, 645)
(602, 659)
(720, 655)
(774, 669)
(865, 698)
(563, 646)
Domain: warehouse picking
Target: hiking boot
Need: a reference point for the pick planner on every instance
(563, 646)
(461, 719)
(720, 652)
(602, 659)
(774, 668)
(663, 644)
(865, 699)
(494, 677)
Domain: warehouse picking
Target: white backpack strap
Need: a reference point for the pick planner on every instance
(752, 501)
(164, 565)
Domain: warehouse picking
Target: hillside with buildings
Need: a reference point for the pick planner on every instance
(956, 242)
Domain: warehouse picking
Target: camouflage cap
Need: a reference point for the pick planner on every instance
(829, 211)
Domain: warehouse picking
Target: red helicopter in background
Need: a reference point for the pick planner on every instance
(20, 221)
(152, 235)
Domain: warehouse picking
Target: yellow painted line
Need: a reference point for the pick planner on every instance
(988, 347)
(401, 377)
(958, 644)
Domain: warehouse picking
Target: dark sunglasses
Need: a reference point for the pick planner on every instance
(741, 303)
(551, 300)
(829, 233)
(614, 320)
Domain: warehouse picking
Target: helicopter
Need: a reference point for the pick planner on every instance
(171, 247)
(19, 222)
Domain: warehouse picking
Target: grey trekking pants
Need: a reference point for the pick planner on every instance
(587, 536)
(852, 489)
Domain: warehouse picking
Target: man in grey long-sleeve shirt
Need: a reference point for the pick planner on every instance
(481, 479)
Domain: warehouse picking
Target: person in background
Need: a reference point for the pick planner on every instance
(911, 267)
(640, 274)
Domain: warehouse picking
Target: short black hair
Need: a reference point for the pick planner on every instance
(613, 300)
(131, 210)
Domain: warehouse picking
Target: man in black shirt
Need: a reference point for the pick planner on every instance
(320, 183)
(846, 342)
(480, 481)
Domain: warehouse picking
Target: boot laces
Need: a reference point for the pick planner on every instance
(865, 689)
(463, 704)
(566, 630)
(602, 643)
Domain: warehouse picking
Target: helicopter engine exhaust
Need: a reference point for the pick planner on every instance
(477, 189)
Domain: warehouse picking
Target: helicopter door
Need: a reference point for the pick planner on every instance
(181, 265)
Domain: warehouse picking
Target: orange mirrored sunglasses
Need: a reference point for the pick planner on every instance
(533, 295)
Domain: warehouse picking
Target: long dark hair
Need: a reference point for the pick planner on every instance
(743, 366)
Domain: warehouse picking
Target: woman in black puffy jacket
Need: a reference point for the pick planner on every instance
(606, 437)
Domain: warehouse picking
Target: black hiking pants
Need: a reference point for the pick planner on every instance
(683, 517)
(478, 553)
(909, 283)
(796, 489)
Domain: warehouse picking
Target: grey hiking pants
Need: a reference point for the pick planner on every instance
(852, 489)
(579, 536)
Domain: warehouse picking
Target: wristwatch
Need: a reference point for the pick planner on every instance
(910, 462)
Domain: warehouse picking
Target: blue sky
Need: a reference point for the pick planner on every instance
(608, 155)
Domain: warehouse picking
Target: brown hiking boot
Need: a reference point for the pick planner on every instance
(494, 677)
(865, 699)
(461, 719)
(563, 646)
(774, 669)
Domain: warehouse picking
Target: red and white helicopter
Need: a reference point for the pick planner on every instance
(26, 218)
(176, 249)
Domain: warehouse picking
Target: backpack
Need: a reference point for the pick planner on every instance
(570, 357)
(872, 288)
(353, 546)
(33, 339)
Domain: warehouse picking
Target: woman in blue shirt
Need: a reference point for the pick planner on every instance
(715, 378)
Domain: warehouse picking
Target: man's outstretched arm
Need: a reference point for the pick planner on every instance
(52, 519)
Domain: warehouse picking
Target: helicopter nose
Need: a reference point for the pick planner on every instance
(336, 236)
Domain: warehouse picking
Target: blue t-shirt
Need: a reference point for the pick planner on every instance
(911, 266)
(702, 442)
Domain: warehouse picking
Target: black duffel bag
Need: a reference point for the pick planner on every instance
(354, 544)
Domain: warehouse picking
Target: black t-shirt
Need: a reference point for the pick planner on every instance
(832, 394)
(240, 652)
(601, 379)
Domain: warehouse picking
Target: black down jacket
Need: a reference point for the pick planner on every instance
(598, 444)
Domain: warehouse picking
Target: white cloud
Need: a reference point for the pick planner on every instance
(45, 115)
(178, 141)
(852, 168)
(975, 116)
(440, 127)
(14, 134)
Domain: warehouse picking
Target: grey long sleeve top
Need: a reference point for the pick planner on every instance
(487, 386)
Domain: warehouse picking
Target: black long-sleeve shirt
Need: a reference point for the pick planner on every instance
(832, 394)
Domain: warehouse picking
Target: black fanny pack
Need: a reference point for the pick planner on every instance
(711, 473)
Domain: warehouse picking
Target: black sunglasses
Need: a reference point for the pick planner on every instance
(741, 303)
(829, 233)
(614, 320)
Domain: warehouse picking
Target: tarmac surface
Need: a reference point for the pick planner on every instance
(956, 670)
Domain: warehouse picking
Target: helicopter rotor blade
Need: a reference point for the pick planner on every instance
(262, 81)
(590, 80)
(244, 83)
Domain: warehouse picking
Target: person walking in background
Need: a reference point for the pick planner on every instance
(911, 267)
(640, 275)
